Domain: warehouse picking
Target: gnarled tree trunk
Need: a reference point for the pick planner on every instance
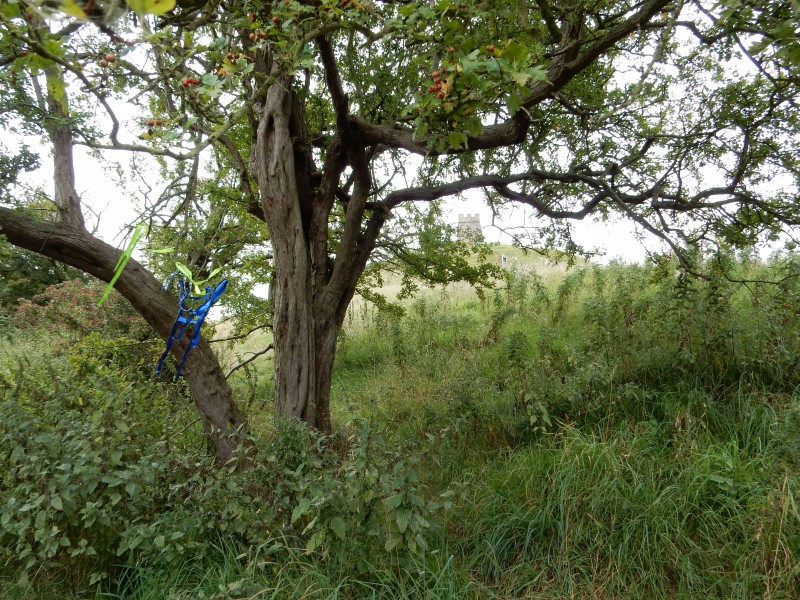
(312, 289)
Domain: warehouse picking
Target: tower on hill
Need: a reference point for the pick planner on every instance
(469, 228)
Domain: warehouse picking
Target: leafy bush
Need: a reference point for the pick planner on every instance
(95, 475)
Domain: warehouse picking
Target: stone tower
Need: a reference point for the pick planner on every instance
(469, 228)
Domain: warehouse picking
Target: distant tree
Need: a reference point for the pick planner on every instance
(336, 122)
(25, 274)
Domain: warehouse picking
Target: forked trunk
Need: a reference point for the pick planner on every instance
(294, 325)
(312, 289)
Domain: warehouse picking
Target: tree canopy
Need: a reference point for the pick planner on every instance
(340, 125)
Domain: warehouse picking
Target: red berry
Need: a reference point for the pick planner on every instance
(436, 73)
(230, 56)
(441, 95)
(437, 87)
(450, 50)
(111, 57)
(252, 36)
(159, 122)
(436, 80)
(432, 88)
(262, 35)
(491, 49)
(150, 123)
(276, 20)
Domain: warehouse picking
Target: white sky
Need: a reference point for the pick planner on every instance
(117, 210)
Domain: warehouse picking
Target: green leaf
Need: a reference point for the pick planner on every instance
(402, 518)
(151, 7)
(169, 250)
(457, 139)
(392, 542)
(56, 503)
(159, 541)
(514, 102)
(184, 269)
(58, 90)
(301, 509)
(69, 7)
(515, 52)
(520, 78)
(392, 502)
(315, 541)
(123, 260)
(338, 527)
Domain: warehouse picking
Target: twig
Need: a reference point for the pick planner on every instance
(249, 360)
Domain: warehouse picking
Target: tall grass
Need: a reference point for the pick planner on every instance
(608, 432)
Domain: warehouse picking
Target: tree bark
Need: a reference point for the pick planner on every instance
(222, 420)
(293, 318)
(311, 289)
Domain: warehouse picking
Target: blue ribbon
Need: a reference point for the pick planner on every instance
(189, 313)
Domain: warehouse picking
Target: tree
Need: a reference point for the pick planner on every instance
(675, 114)
(24, 274)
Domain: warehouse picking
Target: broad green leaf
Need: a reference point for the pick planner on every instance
(392, 502)
(301, 509)
(457, 139)
(10, 9)
(58, 90)
(402, 518)
(392, 542)
(514, 102)
(151, 7)
(338, 527)
(315, 541)
(56, 503)
(515, 52)
(69, 7)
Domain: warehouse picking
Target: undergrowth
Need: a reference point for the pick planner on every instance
(620, 432)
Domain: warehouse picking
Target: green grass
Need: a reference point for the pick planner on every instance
(612, 432)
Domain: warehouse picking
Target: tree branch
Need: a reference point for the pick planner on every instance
(249, 360)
